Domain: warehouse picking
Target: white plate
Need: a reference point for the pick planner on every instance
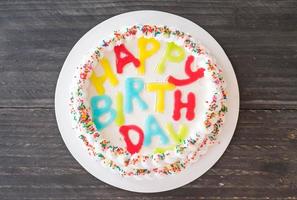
(89, 41)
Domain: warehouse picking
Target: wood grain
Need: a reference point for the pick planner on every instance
(260, 38)
(260, 162)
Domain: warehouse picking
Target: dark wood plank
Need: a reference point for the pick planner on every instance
(260, 163)
(260, 37)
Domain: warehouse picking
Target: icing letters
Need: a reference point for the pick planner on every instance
(173, 53)
(108, 74)
(144, 52)
(120, 119)
(132, 148)
(178, 105)
(163, 149)
(177, 137)
(133, 88)
(98, 111)
(192, 76)
(160, 89)
(121, 62)
(104, 112)
(152, 128)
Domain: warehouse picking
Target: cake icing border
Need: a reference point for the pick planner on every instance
(101, 148)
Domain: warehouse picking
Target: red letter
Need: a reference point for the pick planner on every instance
(132, 148)
(178, 105)
(193, 76)
(122, 61)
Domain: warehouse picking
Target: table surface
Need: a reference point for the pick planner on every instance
(260, 38)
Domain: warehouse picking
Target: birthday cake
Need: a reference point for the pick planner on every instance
(148, 102)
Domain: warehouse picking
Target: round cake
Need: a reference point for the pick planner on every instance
(148, 102)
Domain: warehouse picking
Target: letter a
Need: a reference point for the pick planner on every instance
(152, 128)
(121, 62)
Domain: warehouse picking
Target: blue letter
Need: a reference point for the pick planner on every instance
(98, 111)
(152, 128)
(133, 87)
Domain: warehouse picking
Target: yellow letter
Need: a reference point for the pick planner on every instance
(160, 89)
(177, 137)
(173, 53)
(108, 74)
(163, 149)
(144, 52)
(120, 119)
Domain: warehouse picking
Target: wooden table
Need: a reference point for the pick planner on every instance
(260, 38)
